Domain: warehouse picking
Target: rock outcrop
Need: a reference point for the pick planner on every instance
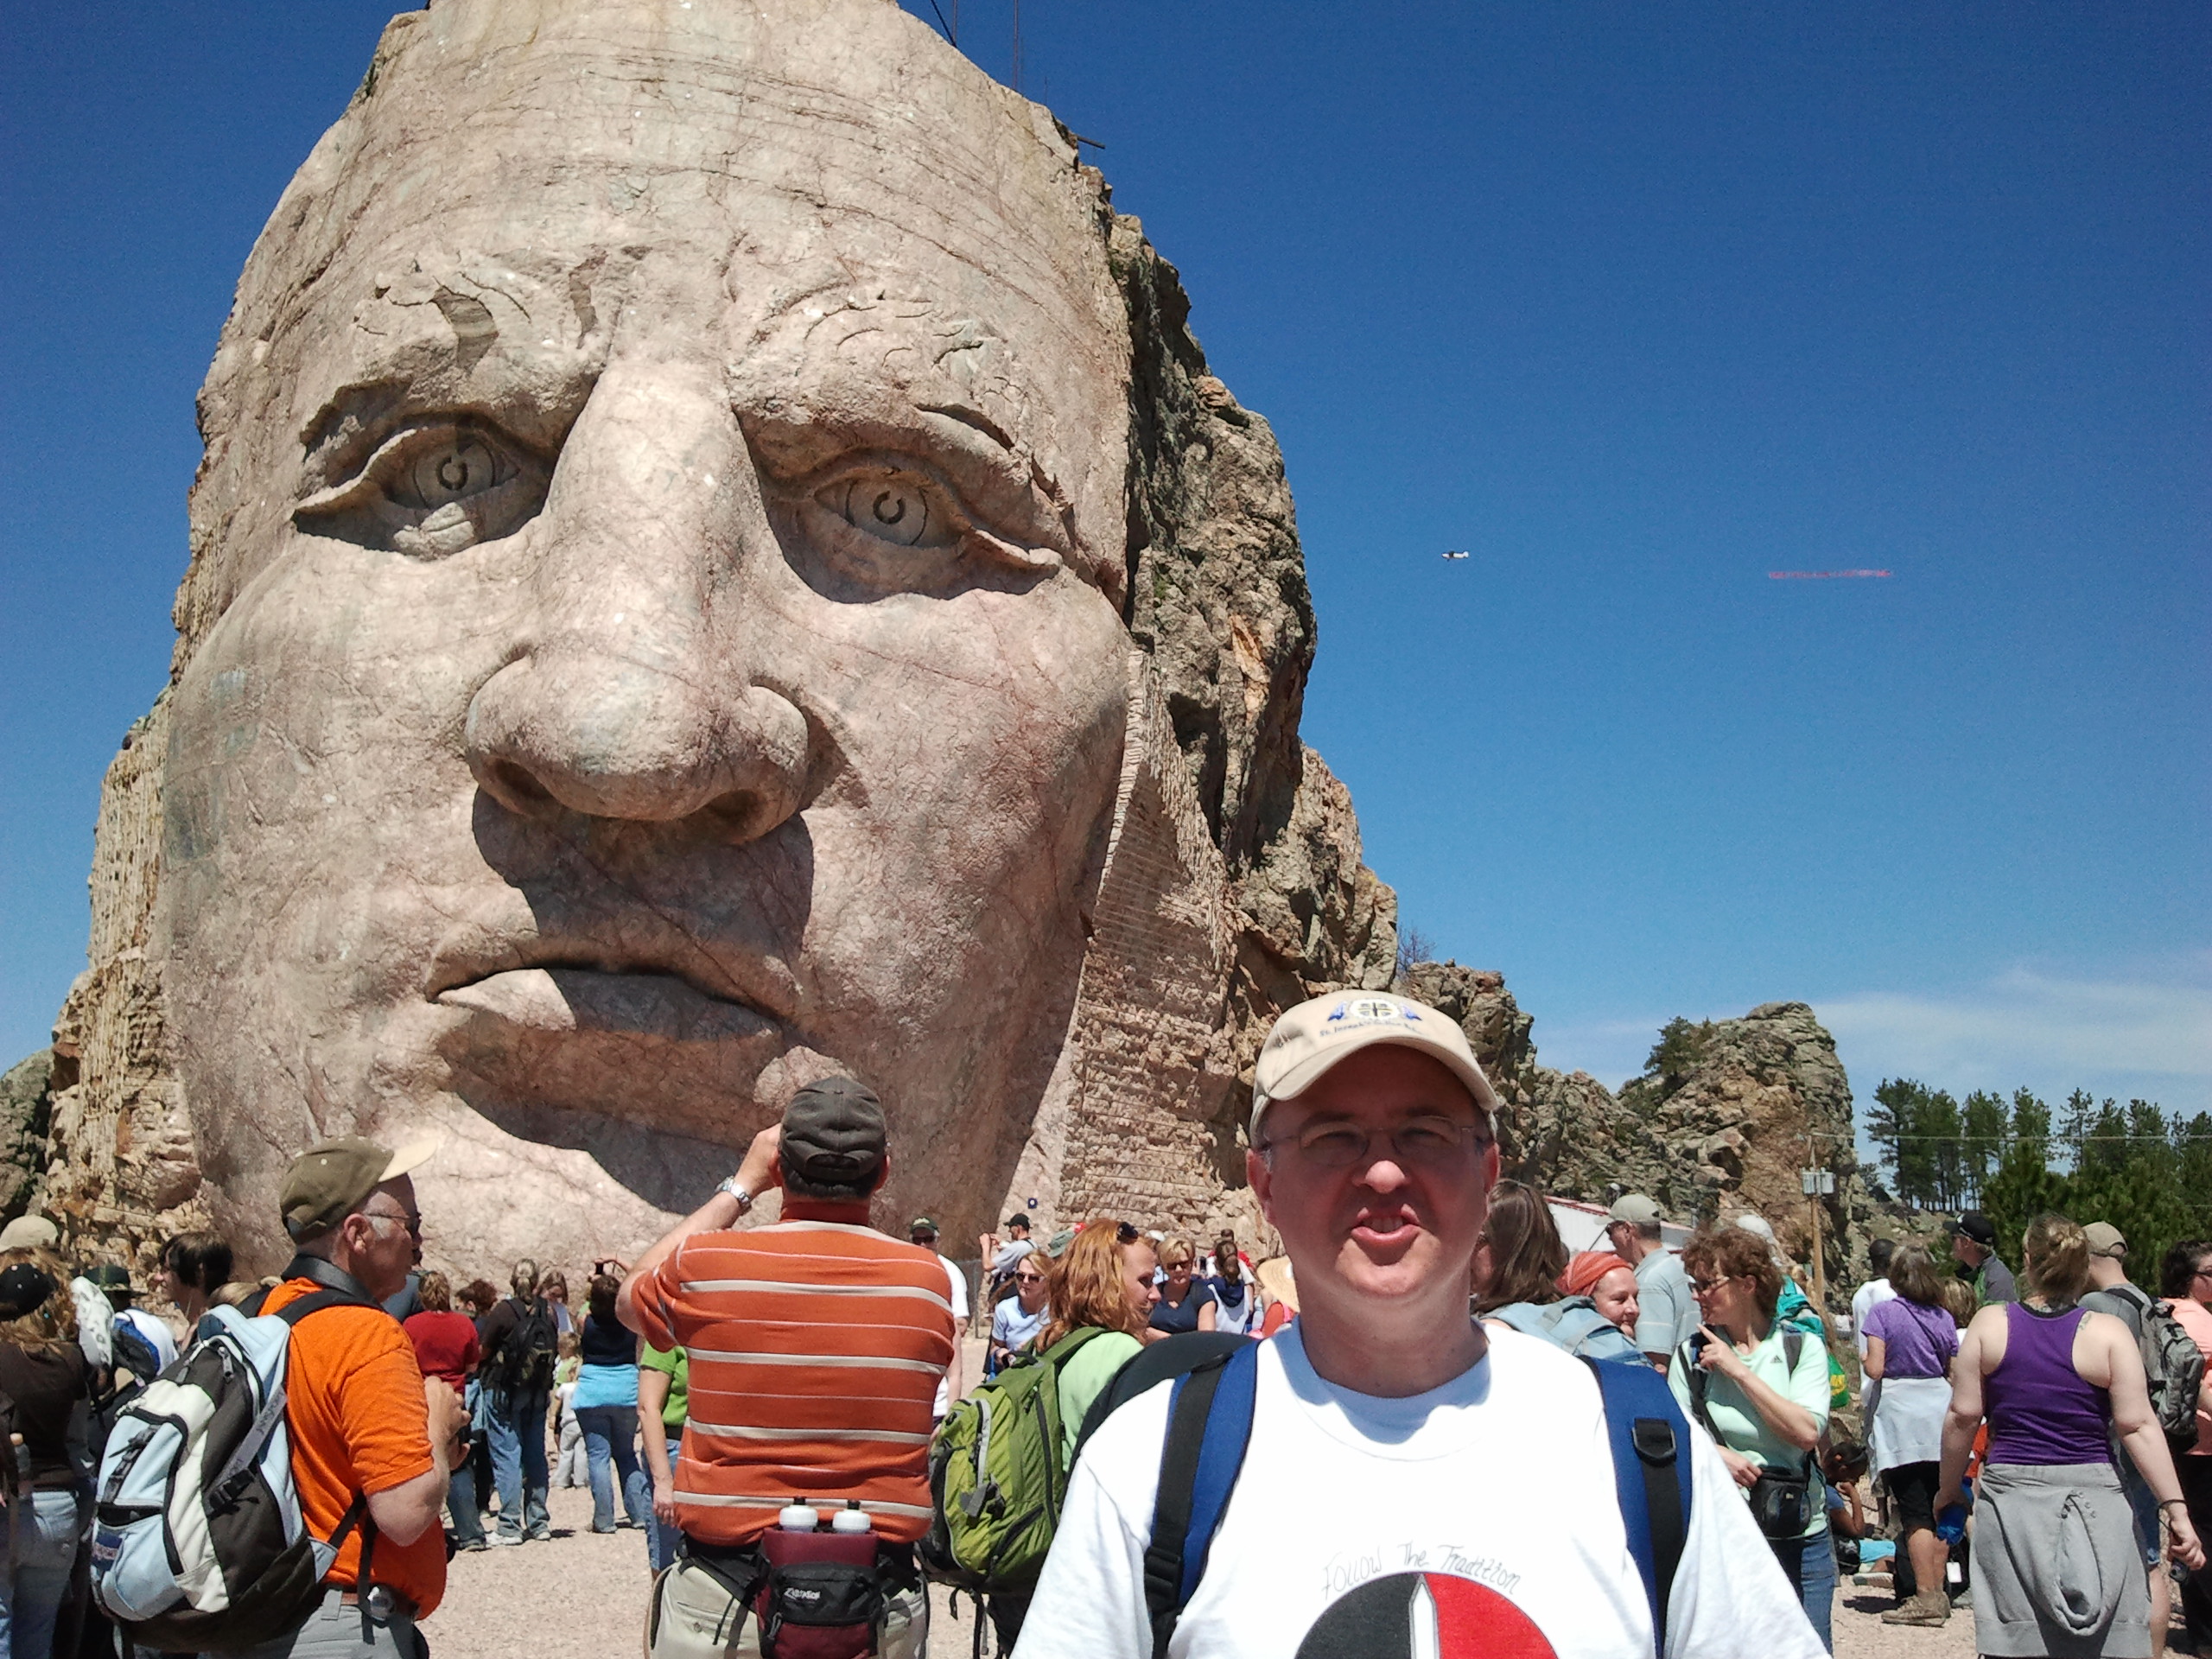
(26, 1112)
(1719, 1129)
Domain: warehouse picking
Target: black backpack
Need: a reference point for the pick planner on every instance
(524, 1364)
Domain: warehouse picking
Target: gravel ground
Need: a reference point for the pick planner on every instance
(582, 1596)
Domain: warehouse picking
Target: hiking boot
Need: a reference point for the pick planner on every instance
(1928, 1607)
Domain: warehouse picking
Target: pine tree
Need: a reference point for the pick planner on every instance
(1981, 1136)
(2024, 1186)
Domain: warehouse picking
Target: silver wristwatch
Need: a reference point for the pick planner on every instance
(744, 1199)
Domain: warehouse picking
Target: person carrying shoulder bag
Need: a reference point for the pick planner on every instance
(1762, 1392)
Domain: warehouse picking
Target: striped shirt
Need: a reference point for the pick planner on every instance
(816, 1348)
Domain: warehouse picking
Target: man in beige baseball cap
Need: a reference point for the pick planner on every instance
(1466, 1475)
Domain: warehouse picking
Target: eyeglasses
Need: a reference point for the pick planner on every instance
(1707, 1286)
(1421, 1143)
(1028, 1278)
(411, 1219)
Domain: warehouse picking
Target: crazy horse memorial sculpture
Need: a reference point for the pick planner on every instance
(717, 560)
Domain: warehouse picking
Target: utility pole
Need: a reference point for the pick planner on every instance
(1818, 1182)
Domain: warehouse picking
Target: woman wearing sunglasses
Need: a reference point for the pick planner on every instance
(1762, 1392)
(1022, 1315)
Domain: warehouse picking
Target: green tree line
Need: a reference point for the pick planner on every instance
(2147, 1173)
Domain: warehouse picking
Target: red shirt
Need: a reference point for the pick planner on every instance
(445, 1346)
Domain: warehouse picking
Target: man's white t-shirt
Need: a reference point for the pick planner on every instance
(958, 1282)
(1864, 1300)
(1479, 1519)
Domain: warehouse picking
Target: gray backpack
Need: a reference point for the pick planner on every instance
(1572, 1323)
(198, 1543)
(2173, 1369)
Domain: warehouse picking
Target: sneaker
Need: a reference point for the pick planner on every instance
(1930, 1607)
(539, 1535)
(501, 1540)
(475, 1544)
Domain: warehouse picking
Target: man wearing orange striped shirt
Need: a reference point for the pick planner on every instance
(816, 1347)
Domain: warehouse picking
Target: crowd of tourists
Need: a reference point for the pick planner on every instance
(1169, 1449)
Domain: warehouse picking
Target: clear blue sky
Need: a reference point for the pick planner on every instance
(1635, 303)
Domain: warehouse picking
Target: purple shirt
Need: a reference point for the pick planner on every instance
(2040, 1408)
(1916, 1340)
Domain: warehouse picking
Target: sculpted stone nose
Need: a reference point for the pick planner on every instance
(630, 695)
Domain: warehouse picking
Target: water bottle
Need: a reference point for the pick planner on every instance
(798, 1518)
(851, 1519)
(1951, 1524)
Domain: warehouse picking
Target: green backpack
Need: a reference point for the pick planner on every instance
(995, 1482)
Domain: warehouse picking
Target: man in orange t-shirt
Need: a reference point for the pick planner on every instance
(372, 1441)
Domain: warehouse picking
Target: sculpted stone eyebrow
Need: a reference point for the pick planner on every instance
(534, 396)
(982, 422)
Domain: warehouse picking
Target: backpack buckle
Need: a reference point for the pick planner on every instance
(1653, 1439)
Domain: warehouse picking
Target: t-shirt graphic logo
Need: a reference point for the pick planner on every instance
(1423, 1615)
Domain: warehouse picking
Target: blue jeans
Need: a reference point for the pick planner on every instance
(660, 1544)
(612, 1431)
(517, 1425)
(1810, 1563)
(32, 1595)
(460, 1504)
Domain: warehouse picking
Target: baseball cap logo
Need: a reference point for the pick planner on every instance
(1374, 1010)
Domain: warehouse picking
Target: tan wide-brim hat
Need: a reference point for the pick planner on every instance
(1275, 1278)
(1315, 1036)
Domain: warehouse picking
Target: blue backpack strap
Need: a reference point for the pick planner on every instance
(1651, 1476)
(1208, 1425)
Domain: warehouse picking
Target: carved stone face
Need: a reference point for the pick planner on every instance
(664, 508)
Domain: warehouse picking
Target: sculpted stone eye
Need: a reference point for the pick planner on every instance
(452, 471)
(897, 510)
(431, 490)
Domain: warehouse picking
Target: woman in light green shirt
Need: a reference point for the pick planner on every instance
(1762, 1392)
(1100, 1285)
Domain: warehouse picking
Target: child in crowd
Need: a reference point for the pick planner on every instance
(571, 1470)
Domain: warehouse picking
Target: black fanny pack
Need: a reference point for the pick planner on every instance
(1782, 1500)
(811, 1609)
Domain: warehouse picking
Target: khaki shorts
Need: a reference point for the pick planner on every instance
(693, 1616)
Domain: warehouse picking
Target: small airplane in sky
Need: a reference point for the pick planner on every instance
(1456, 555)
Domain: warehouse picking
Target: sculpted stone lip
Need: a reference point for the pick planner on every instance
(545, 1050)
(580, 1000)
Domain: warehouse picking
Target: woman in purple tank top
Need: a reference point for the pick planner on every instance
(2056, 1567)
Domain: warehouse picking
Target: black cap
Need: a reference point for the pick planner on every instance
(833, 1133)
(23, 1289)
(1978, 1227)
